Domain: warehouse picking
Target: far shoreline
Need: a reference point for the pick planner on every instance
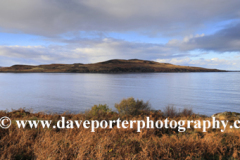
(110, 66)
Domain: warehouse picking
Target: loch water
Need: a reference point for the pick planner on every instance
(206, 93)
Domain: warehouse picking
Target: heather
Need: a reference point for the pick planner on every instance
(80, 143)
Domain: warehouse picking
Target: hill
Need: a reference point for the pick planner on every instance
(110, 66)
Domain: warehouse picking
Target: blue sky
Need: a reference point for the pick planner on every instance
(193, 33)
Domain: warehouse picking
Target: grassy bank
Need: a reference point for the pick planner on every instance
(116, 143)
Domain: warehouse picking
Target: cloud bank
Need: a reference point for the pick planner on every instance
(192, 31)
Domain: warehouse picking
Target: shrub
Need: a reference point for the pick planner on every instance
(131, 106)
(186, 112)
(98, 110)
(170, 111)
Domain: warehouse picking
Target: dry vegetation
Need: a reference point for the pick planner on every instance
(116, 143)
(111, 66)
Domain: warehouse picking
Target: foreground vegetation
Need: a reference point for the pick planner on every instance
(116, 143)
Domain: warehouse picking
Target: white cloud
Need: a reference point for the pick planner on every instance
(225, 64)
(90, 51)
(190, 37)
(177, 61)
(87, 51)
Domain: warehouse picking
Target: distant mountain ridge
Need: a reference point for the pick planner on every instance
(110, 66)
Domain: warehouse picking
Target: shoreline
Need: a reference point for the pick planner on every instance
(120, 72)
(110, 66)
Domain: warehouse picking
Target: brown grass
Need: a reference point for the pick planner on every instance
(46, 144)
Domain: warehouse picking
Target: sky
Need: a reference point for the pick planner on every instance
(203, 33)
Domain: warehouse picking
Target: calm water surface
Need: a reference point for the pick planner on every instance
(205, 93)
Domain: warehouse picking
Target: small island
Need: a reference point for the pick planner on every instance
(110, 66)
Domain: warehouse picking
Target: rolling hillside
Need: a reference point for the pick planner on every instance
(110, 66)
